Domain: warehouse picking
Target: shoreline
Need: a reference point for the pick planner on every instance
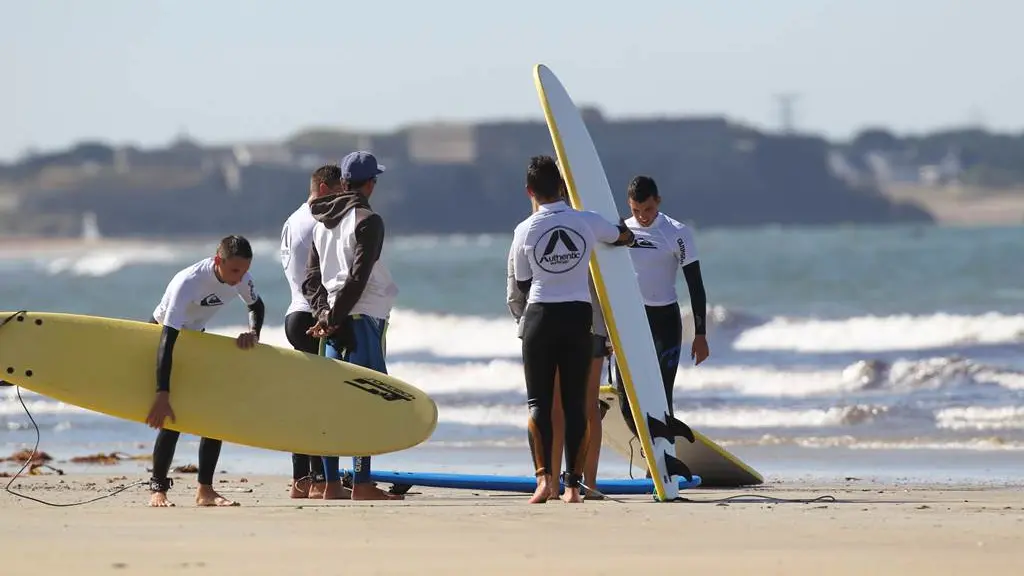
(999, 210)
(870, 528)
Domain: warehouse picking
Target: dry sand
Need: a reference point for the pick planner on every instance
(869, 529)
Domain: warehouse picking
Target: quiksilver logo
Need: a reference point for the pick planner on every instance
(639, 242)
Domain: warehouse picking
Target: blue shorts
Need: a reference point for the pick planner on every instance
(369, 351)
(371, 344)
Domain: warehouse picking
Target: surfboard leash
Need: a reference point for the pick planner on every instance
(775, 499)
(35, 449)
(31, 458)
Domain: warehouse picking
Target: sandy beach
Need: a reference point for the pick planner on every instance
(869, 529)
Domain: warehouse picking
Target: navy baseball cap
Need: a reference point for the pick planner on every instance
(360, 166)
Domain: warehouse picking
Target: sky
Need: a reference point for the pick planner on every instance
(141, 72)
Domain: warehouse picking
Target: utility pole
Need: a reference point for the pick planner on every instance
(786, 104)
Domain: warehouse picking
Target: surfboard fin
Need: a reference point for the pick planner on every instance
(669, 429)
(675, 467)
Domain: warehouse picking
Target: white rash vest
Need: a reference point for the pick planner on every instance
(336, 248)
(552, 248)
(657, 252)
(194, 295)
(296, 239)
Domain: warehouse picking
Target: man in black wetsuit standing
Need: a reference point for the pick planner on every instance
(192, 298)
(662, 248)
(308, 477)
(549, 255)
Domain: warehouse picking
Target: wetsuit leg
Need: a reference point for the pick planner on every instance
(300, 466)
(163, 454)
(295, 326)
(667, 331)
(575, 352)
(209, 453)
(540, 360)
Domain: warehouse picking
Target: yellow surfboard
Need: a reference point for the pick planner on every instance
(265, 397)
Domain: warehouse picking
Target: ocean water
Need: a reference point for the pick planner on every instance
(874, 352)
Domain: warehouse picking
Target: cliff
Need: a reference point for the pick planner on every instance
(442, 178)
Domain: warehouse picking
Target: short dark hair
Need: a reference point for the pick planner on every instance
(234, 246)
(349, 185)
(329, 174)
(642, 188)
(544, 178)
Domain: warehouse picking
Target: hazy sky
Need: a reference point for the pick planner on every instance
(141, 71)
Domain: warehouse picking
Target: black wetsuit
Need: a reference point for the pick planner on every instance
(557, 336)
(555, 243)
(167, 440)
(667, 330)
(295, 326)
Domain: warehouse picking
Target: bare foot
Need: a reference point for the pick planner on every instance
(572, 496)
(207, 496)
(556, 487)
(543, 491)
(336, 491)
(159, 500)
(371, 492)
(300, 488)
(317, 489)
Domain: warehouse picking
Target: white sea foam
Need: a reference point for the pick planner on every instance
(882, 333)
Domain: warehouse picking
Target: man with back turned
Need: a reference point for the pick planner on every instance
(550, 253)
(349, 289)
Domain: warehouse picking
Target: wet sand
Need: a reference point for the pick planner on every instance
(871, 528)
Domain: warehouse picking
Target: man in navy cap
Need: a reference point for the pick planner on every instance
(349, 290)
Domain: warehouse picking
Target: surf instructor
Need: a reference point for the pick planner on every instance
(192, 297)
(661, 247)
(308, 478)
(349, 289)
(550, 253)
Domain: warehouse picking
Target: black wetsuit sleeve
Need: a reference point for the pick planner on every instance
(164, 357)
(312, 286)
(698, 298)
(257, 312)
(369, 236)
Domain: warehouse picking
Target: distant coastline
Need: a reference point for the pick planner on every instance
(467, 178)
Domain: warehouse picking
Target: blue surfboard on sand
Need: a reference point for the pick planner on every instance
(507, 483)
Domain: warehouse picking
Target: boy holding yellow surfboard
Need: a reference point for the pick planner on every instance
(193, 296)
